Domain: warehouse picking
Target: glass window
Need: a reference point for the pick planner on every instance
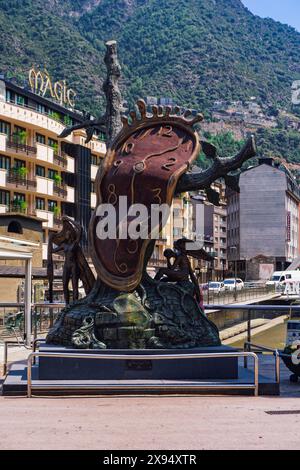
(102, 136)
(95, 160)
(41, 139)
(92, 186)
(10, 96)
(40, 170)
(19, 163)
(54, 144)
(4, 162)
(52, 205)
(4, 197)
(52, 174)
(19, 197)
(19, 135)
(40, 203)
(5, 128)
(20, 100)
(41, 108)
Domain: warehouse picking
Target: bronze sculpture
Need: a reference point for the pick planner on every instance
(75, 265)
(180, 270)
(148, 160)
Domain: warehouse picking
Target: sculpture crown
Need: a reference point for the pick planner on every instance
(159, 115)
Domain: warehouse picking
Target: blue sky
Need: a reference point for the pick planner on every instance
(285, 11)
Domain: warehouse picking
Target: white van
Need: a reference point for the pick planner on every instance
(279, 277)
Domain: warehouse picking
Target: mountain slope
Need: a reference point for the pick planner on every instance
(195, 51)
(198, 51)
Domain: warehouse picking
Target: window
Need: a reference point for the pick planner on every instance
(5, 128)
(20, 100)
(95, 160)
(4, 162)
(52, 174)
(52, 205)
(92, 186)
(40, 203)
(41, 108)
(15, 227)
(40, 170)
(54, 144)
(102, 136)
(41, 139)
(4, 197)
(19, 197)
(10, 96)
(19, 163)
(19, 135)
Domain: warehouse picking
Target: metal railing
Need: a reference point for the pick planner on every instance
(245, 294)
(185, 386)
(277, 310)
(60, 190)
(17, 180)
(12, 319)
(60, 160)
(258, 348)
(19, 147)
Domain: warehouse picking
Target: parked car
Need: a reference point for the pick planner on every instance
(233, 284)
(216, 287)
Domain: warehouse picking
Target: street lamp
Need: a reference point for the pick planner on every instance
(235, 272)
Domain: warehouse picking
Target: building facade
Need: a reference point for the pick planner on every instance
(40, 175)
(263, 220)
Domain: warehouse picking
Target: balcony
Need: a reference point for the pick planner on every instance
(60, 160)
(60, 191)
(17, 208)
(18, 181)
(44, 185)
(45, 153)
(34, 118)
(93, 200)
(18, 147)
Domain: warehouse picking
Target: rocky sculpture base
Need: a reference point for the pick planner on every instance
(158, 315)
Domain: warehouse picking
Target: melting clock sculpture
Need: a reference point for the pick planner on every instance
(148, 159)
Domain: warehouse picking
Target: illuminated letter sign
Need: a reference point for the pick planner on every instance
(41, 84)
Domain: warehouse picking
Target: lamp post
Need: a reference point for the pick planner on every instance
(235, 272)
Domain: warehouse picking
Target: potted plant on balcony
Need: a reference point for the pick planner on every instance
(57, 179)
(22, 172)
(55, 148)
(23, 206)
(20, 137)
(56, 213)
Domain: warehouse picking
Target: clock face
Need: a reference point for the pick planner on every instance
(145, 170)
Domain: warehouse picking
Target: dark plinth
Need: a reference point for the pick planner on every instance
(52, 368)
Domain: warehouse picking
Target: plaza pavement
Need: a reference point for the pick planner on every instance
(151, 422)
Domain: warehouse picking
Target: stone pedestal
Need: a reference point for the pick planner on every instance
(54, 368)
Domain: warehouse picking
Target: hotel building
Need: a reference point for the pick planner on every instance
(42, 177)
